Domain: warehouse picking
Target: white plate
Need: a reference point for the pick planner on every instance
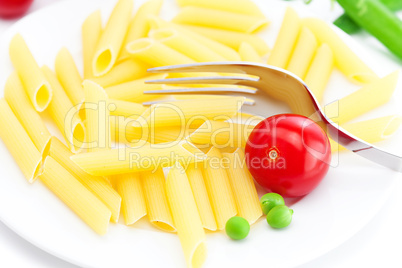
(351, 194)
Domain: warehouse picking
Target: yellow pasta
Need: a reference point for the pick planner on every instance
(285, 40)
(232, 39)
(219, 189)
(16, 97)
(64, 114)
(155, 53)
(112, 38)
(139, 25)
(248, 53)
(221, 19)
(372, 130)
(69, 77)
(87, 206)
(157, 204)
(133, 201)
(345, 59)
(185, 45)
(91, 31)
(19, 144)
(37, 87)
(122, 131)
(237, 6)
(186, 218)
(303, 53)
(125, 108)
(244, 191)
(363, 100)
(97, 185)
(320, 71)
(141, 158)
(200, 193)
(168, 134)
(125, 71)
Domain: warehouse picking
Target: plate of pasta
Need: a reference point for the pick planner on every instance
(93, 176)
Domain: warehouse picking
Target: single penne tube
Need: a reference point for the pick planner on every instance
(91, 31)
(196, 180)
(139, 25)
(156, 53)
(122, 72)
(125, 108)
(19, 144)
(112, 38)
(37, 87)
(244, 191)
(227, 52)
(344, 57)
(186, 218)
(363, 100)
(168, 134)
(134, 90)
(185, 45)
(157, 204)
(320, 71)
(219, 189)
(133, 205)
(372, 130)
(86, 205)
(97, 117)
(248, 53)
(232, 39)
(97, 185)
(19, 102)
(69, 77)
(246, 7)
(134, 159)
(65, 114)
(303, 53)
(221, 19)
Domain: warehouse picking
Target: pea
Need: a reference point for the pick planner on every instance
(237, 228)
(280, 216)
(270, 200)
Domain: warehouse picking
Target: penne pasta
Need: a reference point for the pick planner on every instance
(125, 108)
(320, 71)
(19, 102)
(248, 53)
(185, 45)
(219, 189)
(139, 25)
(91, 31)
(97, 185)
(201, 198)
(221, 19)
(18, 143)
(87, 206)
(345, 59)
(286, 39)
(168, 134)
(303, 53)
(186, 217)
(133, 201)
(112, 38)
(157, 204)
(37, 87)
(244, 191)
(363, 100)
(64, 114)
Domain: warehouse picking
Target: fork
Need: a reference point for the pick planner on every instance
(270, 82)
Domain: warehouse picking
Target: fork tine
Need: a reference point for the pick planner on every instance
(203, 90)
(222, 80)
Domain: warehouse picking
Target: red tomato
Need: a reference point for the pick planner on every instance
(14, 8)
(288, 154)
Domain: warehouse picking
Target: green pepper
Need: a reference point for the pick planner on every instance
(378, 20)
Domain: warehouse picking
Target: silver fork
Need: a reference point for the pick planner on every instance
(271, 82)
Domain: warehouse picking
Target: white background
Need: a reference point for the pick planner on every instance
(379, 244)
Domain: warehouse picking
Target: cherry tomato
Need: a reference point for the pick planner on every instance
(288, 154)
(14, 8)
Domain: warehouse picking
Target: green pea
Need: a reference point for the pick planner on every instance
(270, 200)
(237, 228)
(280, 216)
